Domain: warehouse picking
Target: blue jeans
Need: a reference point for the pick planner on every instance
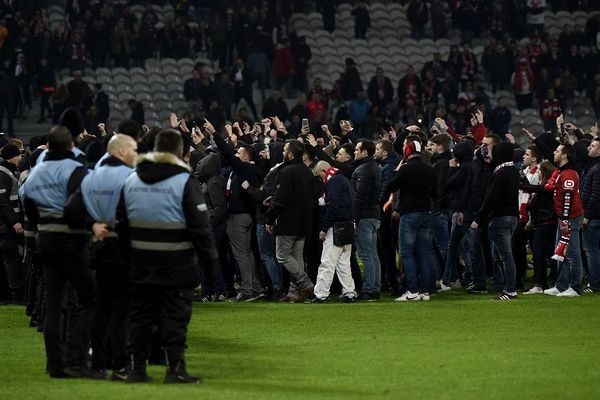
(457, 233)
(441, 236)
(266, 247)
(477, 258)
(416, 249)
(591, 246)
(569, 273)
(366, 245)
(500, 231)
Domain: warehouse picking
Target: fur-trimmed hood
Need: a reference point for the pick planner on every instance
(155, 167)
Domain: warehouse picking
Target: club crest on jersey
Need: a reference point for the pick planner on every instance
(569, 184)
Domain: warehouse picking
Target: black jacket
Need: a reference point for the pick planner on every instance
(338, 201)
(502, 197)
(366, 183)
(590, 190)
(417, 184)
(440, 166)
(477, 185)
(239, 201)
(208, 172)
(292, 205)
(260, 194)
(171, 267)
(458, 177)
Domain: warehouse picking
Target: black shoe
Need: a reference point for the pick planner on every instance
(119, 375)
(181, 376)
(277, 295)
(258, 295)
(316, 300)
(79, 372)
(477, 290)
(503, 296)
(202, 298)
(347, 299)
(243, 298)
(134, 376)
(59, 375)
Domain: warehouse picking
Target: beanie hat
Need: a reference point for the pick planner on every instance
(9, 151)
(413, 147)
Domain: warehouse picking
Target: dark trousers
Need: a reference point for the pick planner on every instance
(6, 108)
(543, 250)
(10, 258)
(519, 249)
(170, 308)
(60, 269)
(387, 243)
(109, 339)
(45, 104)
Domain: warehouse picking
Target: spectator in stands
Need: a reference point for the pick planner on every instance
(500, 118)
(315, 106)
(362, 20)
(535, 16)
(101, 103)
(417, 14)
(47, 82)
(77, 53)
(242, 86)
(358, 110)
(380, 90)
(121, 45)
(259, 68)
(275, 106)
(23, 78)
(350, 80)
(224, 93)
(318, 88)
(439, 15)
(193, 90)
(137, 111)
(523, 82)
(300, 108)
(550, 109)
(409, 88)
(302, 56)
(499, 64)
(284, 68)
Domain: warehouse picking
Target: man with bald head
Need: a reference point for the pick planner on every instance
(95, 206)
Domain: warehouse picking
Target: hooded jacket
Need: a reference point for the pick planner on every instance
(502, 197)
(165, 220)
(387, 166)
(476, 188)
(440, 165)
(208, 172)
(458, 177)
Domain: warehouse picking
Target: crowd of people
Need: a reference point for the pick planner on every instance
(114, 236)
(109, 234)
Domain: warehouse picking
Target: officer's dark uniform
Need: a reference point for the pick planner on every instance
(9, 216)
(66, 257)
(97, 201)
(169, 231)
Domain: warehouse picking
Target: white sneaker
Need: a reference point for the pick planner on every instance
(456, 284)
(408, 296)
(444, 288)
(553, 291)
(570, 292)
(425, 297)
(535, 290)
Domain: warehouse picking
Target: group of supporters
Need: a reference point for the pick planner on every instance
(120, 232)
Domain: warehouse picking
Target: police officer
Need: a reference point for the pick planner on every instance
(10, 225)
(65, 252)
(167, 224)
(95, 205)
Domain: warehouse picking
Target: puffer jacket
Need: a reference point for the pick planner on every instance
(366, 183)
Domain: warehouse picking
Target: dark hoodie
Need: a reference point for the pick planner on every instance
(456, 184)
(502, 197)
(174, 267)
(440, 165)
(208, 172)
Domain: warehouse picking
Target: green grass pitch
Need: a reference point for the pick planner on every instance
(454, 347)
